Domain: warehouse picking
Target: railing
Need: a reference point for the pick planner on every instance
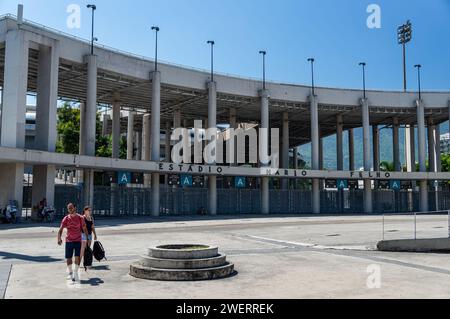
(414, 218)
(125, 201)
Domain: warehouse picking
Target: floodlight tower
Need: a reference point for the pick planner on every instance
(404, 35)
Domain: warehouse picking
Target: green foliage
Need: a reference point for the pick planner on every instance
(68, 129)
(386, 166)
(445, 158)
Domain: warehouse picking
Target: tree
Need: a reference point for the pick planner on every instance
(68, 129)
(445, 159)
(386, 166)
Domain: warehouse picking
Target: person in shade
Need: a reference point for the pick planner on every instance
(75, 225)
(89, 221)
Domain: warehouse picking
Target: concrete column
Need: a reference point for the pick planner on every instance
(233, 125)
(167, 156)
(315, 153)
(130, 136)
(340, 143)
(438, 167)
(431, 145)
(296, 150)
(91, 106)
(82, 139)
(321, 166)
(46, 115)
(13, 113)
(285, 150)
(264, 149)
(396, 144)
(156, 137)
(138, 145)
(116, 126)
(437, 145)
(212, 123)
(376, 147)
(187, 145)
(89, 122)
(351, 149)
(422, 155)
(146, 124)
(368, 205)
(167, 149)
(410, 151)
(105, 124)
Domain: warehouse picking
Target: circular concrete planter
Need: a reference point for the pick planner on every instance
(149, 273)
(184, 251)
(182, 263)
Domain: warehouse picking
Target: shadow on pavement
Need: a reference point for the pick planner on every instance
(92, 282)
(36, 259)
(100, 268)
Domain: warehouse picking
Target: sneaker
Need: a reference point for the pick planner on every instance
(76, 278)
(69, 276)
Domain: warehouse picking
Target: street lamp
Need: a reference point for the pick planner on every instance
(212, 58)
(363, 64)
(93, 7)
(404, 35)
(156, 29)
(418, 66)
(264, 67)
(312, 75)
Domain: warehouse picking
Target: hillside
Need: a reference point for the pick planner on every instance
(386, 150)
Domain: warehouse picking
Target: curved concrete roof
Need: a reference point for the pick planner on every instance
(185, 87)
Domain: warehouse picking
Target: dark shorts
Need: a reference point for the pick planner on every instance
(72, 248)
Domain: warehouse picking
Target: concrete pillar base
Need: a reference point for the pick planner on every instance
(265, 206)
(11, 184)
(88, 189)
(368, 203)
(212, 196)
(316, 196)
(155, 195)
(43, 184)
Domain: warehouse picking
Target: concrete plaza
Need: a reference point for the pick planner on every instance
(275, 257)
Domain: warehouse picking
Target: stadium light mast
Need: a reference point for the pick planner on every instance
(263, 53)
(93, 7)
(212, 43)
(156, 29)
(363, 64)
(404, 35)
(312, 74)
(418, 66)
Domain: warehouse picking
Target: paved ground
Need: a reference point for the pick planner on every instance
(276, 257)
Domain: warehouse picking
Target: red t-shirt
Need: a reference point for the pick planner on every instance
(74, 225)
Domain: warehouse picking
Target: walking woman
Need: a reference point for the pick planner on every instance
(89, 221)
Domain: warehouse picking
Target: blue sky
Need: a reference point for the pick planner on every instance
(334, 32)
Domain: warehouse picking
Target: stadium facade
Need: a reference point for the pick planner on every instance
(56, 66)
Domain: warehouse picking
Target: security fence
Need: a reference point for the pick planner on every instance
(126, 201)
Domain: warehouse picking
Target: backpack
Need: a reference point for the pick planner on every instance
(87, 258)
(99, 252)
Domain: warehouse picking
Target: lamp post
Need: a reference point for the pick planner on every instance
(212, 58)
(404, 35)
(312, 74)
(156, 29)
(263, 53)
(93, 7)
(363, 64)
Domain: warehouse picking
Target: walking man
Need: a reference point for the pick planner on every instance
(75, 225)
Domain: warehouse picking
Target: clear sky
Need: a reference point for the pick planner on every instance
(334, 32)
